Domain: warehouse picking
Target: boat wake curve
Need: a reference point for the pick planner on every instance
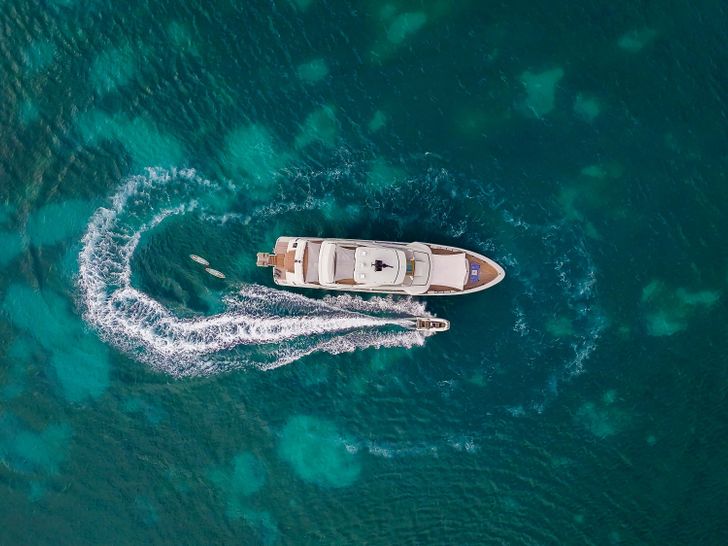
(259, 326)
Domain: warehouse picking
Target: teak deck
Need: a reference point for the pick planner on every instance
(487, 272)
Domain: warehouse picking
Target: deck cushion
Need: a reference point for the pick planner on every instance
(449, 270)
(312, 262)
(327, 263)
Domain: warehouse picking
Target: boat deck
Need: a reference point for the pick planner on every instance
(487, 273)
(284, 262)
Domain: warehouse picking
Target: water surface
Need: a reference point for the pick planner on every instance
(580, 401)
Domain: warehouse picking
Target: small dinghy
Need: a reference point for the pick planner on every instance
(215, 273)
(432, 324)
(199, 259)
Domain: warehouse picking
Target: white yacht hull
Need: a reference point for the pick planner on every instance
(379, 267)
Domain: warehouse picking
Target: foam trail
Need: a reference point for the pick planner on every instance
(260, 326)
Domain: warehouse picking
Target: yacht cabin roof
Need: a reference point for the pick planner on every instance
(363, 265)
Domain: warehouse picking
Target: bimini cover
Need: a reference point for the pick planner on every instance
(449, 270)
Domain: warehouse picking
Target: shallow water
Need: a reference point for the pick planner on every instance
(144, 401)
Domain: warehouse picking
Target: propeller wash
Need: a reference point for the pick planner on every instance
(259, 326)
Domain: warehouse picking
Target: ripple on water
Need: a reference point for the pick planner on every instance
(317, 453)
(541, 90)
(252, 150)
(263, 523)
(245, 476)
(382, 175)
(320, 126)
(587, 108)
(56, 222)
(30, 452)
(79, 361)
(377, 121)
(603, 418)
(181, 37)
(6, 213)
(668, 310)
(146, 510)
(397, 28)
(237, 482)
(313, 71)
(112, 69)
(20, 354)
(38, 56)
(302, 5)
(404, 25)
(28, 112)
(143, 141)
(149, 410)
(635, 40)
(11, 246)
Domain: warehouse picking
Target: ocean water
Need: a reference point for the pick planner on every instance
(581, 401)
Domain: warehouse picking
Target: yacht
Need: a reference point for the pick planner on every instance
(379, 267)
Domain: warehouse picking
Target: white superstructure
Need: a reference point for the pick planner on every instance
(417, 269)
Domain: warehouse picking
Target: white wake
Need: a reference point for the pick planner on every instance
(260, 326)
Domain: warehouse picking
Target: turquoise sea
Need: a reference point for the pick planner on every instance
(584, 146)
